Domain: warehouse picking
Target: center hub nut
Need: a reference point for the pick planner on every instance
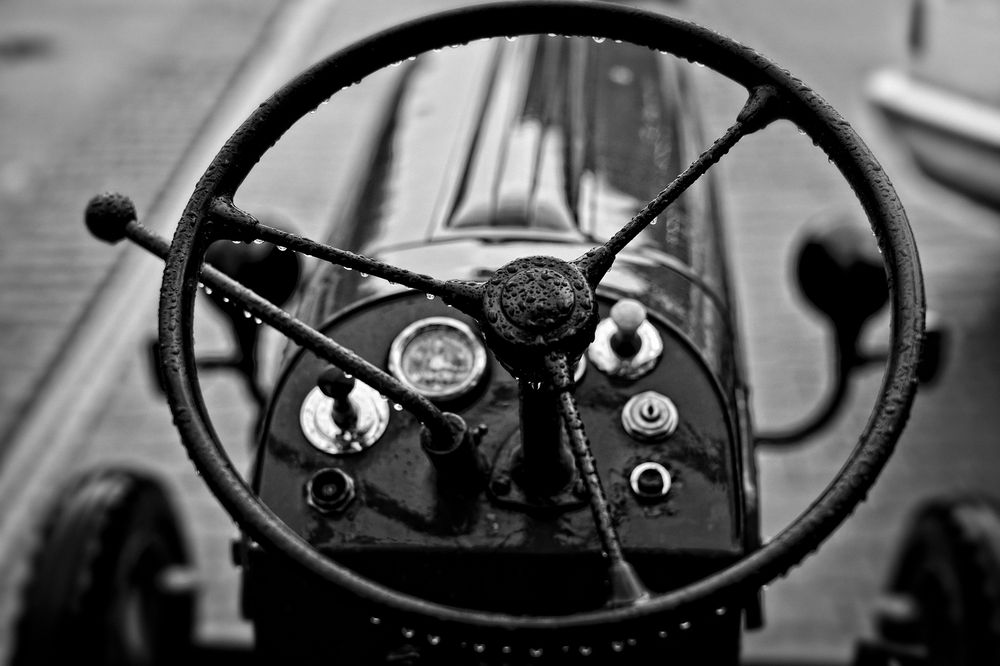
(535, 305)
(537, 299)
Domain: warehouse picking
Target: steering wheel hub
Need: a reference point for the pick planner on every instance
(536, 305)
(537, 299)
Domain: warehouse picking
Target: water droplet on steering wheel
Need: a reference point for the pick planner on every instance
(598, 40)
(208, 291)
(281, 248)
(398, 407)
(430, 297)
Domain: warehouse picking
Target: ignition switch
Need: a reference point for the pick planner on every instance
(341, 415)
(330, 490)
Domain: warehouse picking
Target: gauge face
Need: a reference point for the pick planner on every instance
(438, 357)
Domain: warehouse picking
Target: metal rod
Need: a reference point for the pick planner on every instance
(304, 335)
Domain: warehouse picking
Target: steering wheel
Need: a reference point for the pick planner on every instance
(538, 314)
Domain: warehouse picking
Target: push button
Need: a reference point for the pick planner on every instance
(650, 416)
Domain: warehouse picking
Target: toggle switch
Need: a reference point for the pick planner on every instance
(626, 344)
(627, 315)
(341, 415)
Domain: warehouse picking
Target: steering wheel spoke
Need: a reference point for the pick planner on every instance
(761, 109)
(626, 587)
(254, 305)
(328, 350)
(462, 294)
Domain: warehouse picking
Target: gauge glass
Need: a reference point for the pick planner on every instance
(438, 357)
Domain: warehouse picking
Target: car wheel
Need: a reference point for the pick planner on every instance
(943, 601)
(99, 591)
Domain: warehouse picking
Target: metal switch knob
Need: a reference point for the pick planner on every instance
(628, 315)
(626, 344)
(342, 416)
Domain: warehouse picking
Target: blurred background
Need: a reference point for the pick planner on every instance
(137, 95)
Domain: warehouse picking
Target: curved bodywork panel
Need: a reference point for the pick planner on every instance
(541, 146)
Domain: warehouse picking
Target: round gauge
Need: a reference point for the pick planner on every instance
(438, 357)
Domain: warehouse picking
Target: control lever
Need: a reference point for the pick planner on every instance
(335, 384)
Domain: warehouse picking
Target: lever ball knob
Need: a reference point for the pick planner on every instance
(628, 315)
(107, 215)
(335, 384)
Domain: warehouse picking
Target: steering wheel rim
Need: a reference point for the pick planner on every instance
(793, 101)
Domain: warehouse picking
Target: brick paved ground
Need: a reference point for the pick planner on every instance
(93, 95)
(949, 446)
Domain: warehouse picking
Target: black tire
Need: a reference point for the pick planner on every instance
(97, 592)
(949, 570)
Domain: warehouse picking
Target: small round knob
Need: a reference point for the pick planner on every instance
(628, 315)
(334, 383)
(107, 215)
